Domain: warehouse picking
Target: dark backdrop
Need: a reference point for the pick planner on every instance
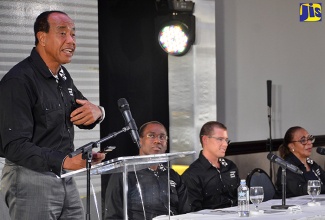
(133, 66)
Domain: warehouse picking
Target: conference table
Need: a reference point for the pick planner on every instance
(301, 210)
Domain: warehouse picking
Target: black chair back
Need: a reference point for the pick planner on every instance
(258, 177)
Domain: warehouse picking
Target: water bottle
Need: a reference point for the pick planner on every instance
(243, 199)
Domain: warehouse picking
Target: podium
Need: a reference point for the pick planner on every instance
(128, 164)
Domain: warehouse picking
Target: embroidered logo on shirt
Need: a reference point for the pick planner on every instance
(172, 183)
(232, 174)
(310, 161)
(62, 75)
(162, 167)
(223, 162)
(70, 91)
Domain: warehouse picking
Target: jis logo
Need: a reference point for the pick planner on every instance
(310, 12)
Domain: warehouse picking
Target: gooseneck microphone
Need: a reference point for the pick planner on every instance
(320, 150)
(283, 163)
(269, 92)
(124, 108)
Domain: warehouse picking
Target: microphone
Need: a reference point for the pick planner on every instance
(129, 121)
(283, 163)
(320, 150)
(269, 92)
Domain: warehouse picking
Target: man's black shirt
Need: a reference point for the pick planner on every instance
(209, 187)
(35, 127)
(153, 193)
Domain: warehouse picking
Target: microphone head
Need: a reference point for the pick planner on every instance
(123, 104)
(271, 157)
(320, 150)
(269, 92)
(274, 158)
(300, 171)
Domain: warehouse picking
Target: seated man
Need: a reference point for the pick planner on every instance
(147, 189)
(212, 180)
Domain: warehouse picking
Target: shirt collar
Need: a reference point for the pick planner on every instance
(39, 63)
(61, 73)
(206, 164)
(293, 159)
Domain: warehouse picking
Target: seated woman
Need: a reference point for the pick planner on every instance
(296, 149)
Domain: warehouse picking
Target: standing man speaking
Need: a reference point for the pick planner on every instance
(39, 106)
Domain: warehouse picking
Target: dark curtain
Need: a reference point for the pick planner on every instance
(132, 66)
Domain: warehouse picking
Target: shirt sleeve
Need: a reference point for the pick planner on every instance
(183, 202)
(194, 190)
(318, 170)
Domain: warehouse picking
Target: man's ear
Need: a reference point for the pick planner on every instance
(41, 36)
(204, 139)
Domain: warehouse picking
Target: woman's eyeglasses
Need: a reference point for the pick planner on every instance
(304, 140)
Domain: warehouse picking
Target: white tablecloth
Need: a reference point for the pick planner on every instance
(301, 211)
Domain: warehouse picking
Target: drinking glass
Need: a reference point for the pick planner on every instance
(256, 194)
(313, 189)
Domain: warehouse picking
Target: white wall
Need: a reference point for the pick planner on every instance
(259, 40)
(256, 41)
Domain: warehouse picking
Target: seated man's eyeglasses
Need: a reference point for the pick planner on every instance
(304, 140)
(220, 139)
(161, 137)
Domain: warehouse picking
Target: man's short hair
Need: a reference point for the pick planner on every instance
(143, 127)
(208, 127)
(42, 24)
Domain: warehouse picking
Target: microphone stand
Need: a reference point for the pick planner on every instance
(270, 140)
(87, 155)
(284, 191)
